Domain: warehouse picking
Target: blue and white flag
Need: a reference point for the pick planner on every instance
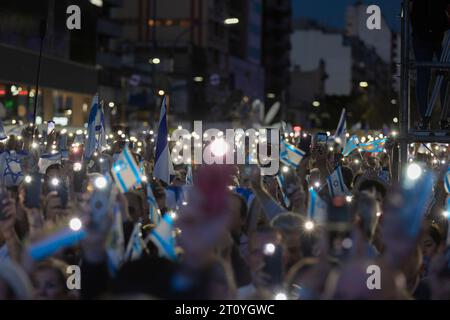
(125, 171)
(153, 210)
(352, 144)
(3, 135)
(374, 146)
(116, 242)
(11, 168)
(163, 163)
(447, 181)
(189, 178)
(135, 245)
(290, 155)
(341, 130)
(162, 238)
(317, 208)
(46, 160)
(282, 185)
(336, 185)
(96, 136)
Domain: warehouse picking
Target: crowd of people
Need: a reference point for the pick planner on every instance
(222, 231)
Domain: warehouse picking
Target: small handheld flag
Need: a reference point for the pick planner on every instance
(341, 130)
(290, 155)
(374, 146)
(163, 239)
(125, 171)
(282, 185)
(115, 244)
(135, 245)
(154, 212)
(46, 160)
(336, 185)
(317, 208)
(351, 145)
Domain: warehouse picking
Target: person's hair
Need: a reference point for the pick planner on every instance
(220, 271)
(56, 265)
(347, 175)
(264, 229)
(157, 189)
(367, 220)
(288, 222)
(369, 184)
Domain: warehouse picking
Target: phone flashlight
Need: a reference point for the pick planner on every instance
(100, 182)
(77, 166)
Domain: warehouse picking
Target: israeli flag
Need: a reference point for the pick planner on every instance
(189, 178)
(46, 160)
(125, 171)
(290, 155)
(374, 146)
(96, 138)
(162, 238)
(3, 135)
(317, 208)
(11, 168)
(340, 135)
(163, 164)
(282, 185)
(351, 145)
(116, 242)
(447, 181)
(336, 185)
(135, 245)
(154, 212)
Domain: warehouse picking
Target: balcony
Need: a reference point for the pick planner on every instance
(109, 28)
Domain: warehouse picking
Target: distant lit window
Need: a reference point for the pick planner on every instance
(151, 22)
(169, 22)
(185, 23)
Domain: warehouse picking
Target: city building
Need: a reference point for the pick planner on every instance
(69, 75)
(277, 28)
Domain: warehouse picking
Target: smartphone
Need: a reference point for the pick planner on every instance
(100, 202)
(320, 139)
(305, 144)
(79, 176)
(33, 186)
(273, 264)
(60, 187)
(290, 182)
(339, 227)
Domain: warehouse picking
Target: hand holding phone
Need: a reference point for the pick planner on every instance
(273, 264)
(33, 187)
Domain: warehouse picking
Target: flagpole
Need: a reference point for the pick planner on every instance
(43, 31)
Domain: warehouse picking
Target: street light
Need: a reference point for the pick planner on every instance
(198, 79)
(155, 60)
(229, 21)
(316, 104)
(363, 84)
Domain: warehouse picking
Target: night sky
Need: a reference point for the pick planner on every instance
(332, 12)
